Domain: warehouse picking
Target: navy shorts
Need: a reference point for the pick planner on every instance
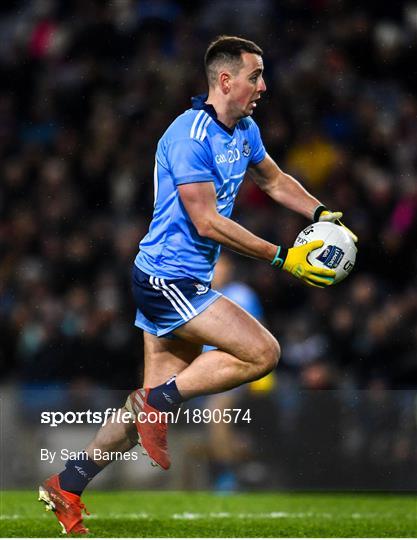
(164, 304)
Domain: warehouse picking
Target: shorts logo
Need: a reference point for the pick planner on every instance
(331, 256)
(246, 149)
(201, 289)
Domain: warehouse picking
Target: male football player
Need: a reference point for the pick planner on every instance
(201, 161)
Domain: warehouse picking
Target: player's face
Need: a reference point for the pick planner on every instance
(247, 85)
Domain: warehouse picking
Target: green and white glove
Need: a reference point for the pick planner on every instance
(321, 213)
(294, 260)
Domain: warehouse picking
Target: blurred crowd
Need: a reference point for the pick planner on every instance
(86, 90)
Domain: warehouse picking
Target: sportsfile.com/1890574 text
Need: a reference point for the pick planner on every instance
(112, 415)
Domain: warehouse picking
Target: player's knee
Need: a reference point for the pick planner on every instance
(268, 356)
(273, 354)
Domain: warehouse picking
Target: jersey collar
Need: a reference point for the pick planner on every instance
(199, 102)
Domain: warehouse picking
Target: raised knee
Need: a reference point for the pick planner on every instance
(269, 356)
(273, 354)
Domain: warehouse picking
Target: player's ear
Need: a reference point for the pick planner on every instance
(224, 82)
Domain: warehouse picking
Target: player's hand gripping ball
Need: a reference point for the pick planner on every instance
(338, 251)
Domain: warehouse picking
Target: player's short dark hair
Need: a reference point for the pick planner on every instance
(227, 50)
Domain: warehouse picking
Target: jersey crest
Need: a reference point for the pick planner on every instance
(246, 149)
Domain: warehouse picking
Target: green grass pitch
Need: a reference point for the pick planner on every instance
(195, 514)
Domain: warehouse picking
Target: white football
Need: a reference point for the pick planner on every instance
(338, 251)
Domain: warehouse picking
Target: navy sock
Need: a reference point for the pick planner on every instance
(165, 397)
(78, 473)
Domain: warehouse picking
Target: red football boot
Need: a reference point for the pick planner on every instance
(67, 506)
(152, 435)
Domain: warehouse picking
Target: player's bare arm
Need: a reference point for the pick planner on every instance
(282, 187)
(199, 200)
(286, 190)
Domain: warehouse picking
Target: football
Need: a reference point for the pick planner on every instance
(338, 251)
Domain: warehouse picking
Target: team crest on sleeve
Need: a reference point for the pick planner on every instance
(246, 149)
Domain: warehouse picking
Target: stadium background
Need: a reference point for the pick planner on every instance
(86, 90)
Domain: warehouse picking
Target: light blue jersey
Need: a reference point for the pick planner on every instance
(195, 148)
